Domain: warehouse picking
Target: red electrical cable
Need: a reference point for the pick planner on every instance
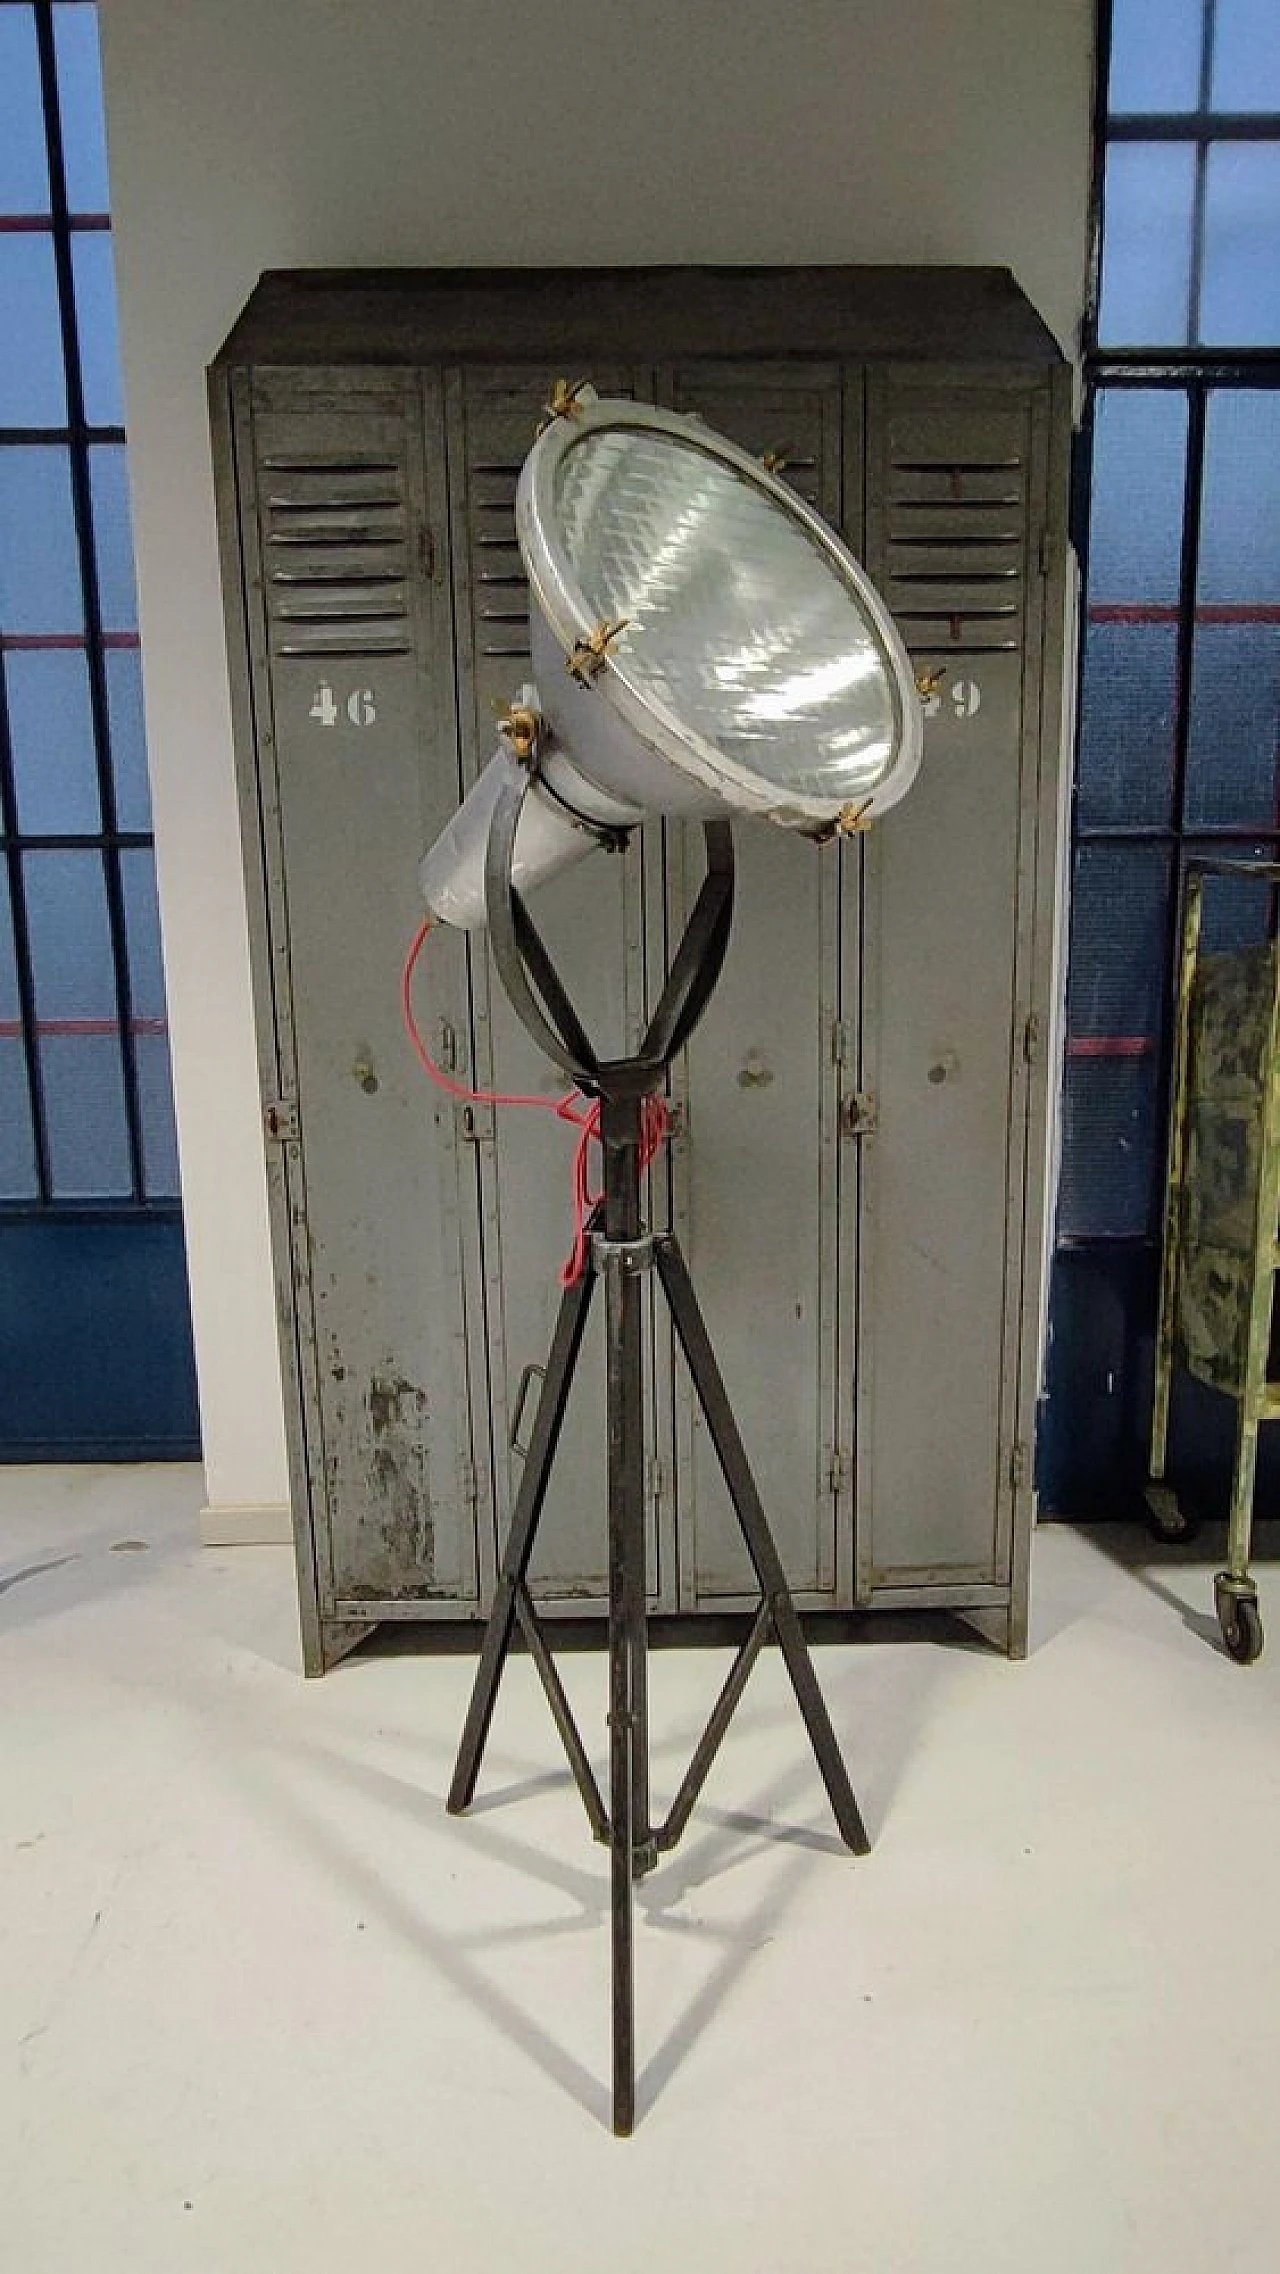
(581, 1113)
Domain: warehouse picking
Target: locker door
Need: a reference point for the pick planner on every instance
(764, 1188)
(593, 921)
(341, 480)
(955, 489)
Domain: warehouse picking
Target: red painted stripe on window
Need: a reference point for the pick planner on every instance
(11, 1029)
(1110, 1045)
(16, 642)
(1209, 612)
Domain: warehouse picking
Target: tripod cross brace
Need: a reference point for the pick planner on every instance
(621, 1251)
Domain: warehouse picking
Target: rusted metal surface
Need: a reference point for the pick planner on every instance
(900, 1362)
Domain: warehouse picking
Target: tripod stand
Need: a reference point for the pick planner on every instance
(621, 1251)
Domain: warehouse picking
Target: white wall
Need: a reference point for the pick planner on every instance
(254, 134)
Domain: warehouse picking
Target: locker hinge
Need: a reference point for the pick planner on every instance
(470, 1487)
(841, 1050)
(280, 1121)
(1019, 1468)
(837, 1472)
(1046, 552)
(655, 1479)
(426, 550)
(1031, 1038)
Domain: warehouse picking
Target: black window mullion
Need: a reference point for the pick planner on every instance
(47, 434)
(1201, 125)
(82, 499)
(79, 840)
(1188, 573)
(22, 950)
(1196, 269)
(1188, 577)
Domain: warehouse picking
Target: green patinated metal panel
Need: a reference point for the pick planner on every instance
(1232, 1006)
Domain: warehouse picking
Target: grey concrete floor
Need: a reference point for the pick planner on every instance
(265, 2005)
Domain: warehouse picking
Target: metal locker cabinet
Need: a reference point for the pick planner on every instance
(959, 512)
(861, 1173)
(346, 681)
(763, 1203)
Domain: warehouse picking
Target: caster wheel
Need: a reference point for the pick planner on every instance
(1241, 1624)
(1167, 1521)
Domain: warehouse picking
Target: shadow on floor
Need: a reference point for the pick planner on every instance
(1133, 1548)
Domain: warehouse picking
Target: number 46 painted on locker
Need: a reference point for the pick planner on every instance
(359, 706)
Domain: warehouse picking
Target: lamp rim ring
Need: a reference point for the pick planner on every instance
(559, 596)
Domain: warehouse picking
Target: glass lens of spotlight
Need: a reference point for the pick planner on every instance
(739, 623)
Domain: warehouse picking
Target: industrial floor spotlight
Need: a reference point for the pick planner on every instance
(703, 646)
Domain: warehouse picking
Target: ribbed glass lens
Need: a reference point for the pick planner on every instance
(739, 623)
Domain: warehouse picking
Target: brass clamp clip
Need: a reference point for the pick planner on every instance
(852, 818)
(586, 659)
(566, 401)
(521, 727)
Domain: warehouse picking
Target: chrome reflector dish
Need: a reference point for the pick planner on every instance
(739, 622)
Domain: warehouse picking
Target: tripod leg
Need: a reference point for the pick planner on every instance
(628, 1638)
(628, 1735)
(713, 1398)
(565, 1345)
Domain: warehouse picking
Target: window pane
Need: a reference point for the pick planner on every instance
(1128, 711)
(1246, 56)
(1155, 55)
(39, 562)
(33, 388)
(18, 1180)
(1138, 479)
(1240, 509)
(113, 534)
(24, 167)
(96, 325)
(1235, 681)
(151, 1039)
(1240, 292)
(142, 926)
(155, 1106)
(1128, 693)
(1146, 244)
(77, 1025)
(1233, 763)
(128, 738)
(84, 137)
(1236, 911)
(1111, 1137)
(51, 731)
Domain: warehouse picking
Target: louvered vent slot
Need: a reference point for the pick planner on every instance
(500, 593)
(336, 543)
(956, 552)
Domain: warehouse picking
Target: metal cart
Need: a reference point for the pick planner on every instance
(1222, 1215)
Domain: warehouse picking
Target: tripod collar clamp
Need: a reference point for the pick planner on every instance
(629, 1257)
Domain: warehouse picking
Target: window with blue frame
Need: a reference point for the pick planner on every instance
(1179, 736)
(86, 1116)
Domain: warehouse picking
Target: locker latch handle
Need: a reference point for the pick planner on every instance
(532, 1373)
(858, 1114)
